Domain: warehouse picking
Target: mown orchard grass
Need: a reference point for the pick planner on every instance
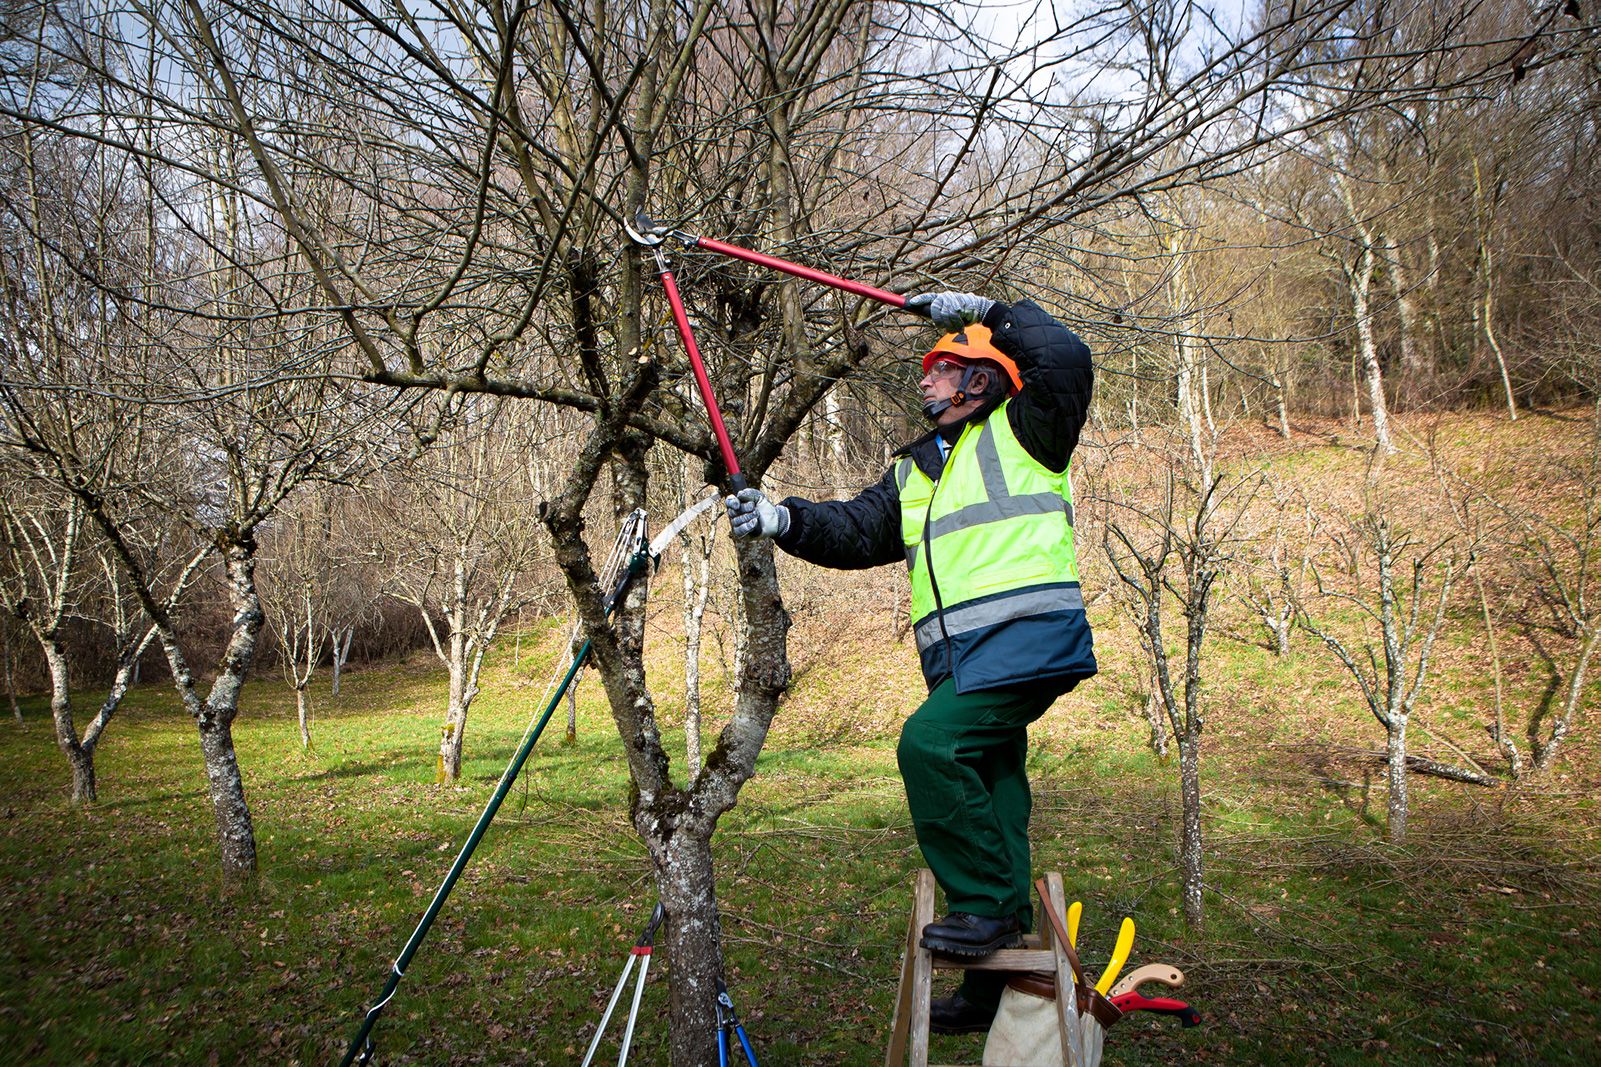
(1479, 941)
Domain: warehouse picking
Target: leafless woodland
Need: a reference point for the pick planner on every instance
(319, 316)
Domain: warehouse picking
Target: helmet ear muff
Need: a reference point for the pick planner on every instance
(966, 391)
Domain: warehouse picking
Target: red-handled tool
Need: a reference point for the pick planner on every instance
(649, 236)
(1133, 1001)
(640, 952)
(650, 233)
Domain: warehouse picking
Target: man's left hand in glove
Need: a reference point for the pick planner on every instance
(751, 514)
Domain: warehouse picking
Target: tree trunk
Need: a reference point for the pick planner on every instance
(571, 736)
(9, 660)
(126, 669)
(693, 935)
(455, 728)
(1360, 282)
(79, 758)
(1547, 753)
(1485, 311)
(1399, 805)
(1190, 372)
(300, 713)
(692, 620)
(1412, 372)
(1153, 715)
(697, 589)
(1191, 869)
(1281, 405)
(341, 655)
(236, 835)
(1134, 390)
(1508, 747)
(834, 437)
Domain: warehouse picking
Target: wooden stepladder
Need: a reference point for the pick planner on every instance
(1040, 953)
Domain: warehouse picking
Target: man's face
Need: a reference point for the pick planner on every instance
(941, 382)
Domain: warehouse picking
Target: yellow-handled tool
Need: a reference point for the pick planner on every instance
(1075, 912)
(1125, 944)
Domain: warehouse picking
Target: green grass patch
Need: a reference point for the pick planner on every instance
(1479, 940)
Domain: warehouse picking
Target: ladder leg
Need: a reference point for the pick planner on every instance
(895, 1055)
(1069, 1028)
(908, 1034)
(923, 967)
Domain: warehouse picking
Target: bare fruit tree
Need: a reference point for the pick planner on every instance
(41, 553)
(294, 593)
(1560, 560)
(460, 540)
(1169, 539)
(1280, 563)
(1399, 590)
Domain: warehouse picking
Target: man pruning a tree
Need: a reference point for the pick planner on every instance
(980, 509)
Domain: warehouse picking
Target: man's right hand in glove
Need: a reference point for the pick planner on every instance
(751, 514)
(950, 311)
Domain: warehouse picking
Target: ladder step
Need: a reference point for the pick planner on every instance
(1007, 959)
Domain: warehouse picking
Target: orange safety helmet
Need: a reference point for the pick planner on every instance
(970, 343)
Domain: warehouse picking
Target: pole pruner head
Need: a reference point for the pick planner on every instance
(646, 231)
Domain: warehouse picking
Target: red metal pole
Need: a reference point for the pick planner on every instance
(702, 382)
(773, 263)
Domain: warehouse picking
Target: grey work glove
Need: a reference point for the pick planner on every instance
(751, 514)
(950, 311)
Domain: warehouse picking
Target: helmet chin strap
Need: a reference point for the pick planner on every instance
(937, 408)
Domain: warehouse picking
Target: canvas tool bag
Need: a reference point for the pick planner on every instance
(1026, 1030)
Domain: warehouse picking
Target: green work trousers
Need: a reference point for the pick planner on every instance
(962, 758)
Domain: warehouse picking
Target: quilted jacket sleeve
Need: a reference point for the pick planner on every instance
(1057, 378)
(864, 531)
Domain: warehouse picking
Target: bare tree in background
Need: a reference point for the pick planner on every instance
(1399, 589)
(54, 570)
(157, 382)
(41, 548)
(461, 542)
(1281, 560)
(1560, 560)
(297, 562)
(1169, 540)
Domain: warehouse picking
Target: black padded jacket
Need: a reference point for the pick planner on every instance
(1047, 416)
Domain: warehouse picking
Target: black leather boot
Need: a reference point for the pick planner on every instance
(971, 936)
(956, 1014)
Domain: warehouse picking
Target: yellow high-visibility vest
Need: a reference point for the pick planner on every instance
(989, 545)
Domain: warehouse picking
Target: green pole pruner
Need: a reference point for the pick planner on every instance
(361, 1046)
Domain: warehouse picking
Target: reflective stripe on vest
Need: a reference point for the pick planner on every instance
(978, 614)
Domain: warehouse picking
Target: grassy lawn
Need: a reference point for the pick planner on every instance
(1479, 941)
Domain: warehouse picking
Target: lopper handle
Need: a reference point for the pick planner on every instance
(702, 383)
(883, 296)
